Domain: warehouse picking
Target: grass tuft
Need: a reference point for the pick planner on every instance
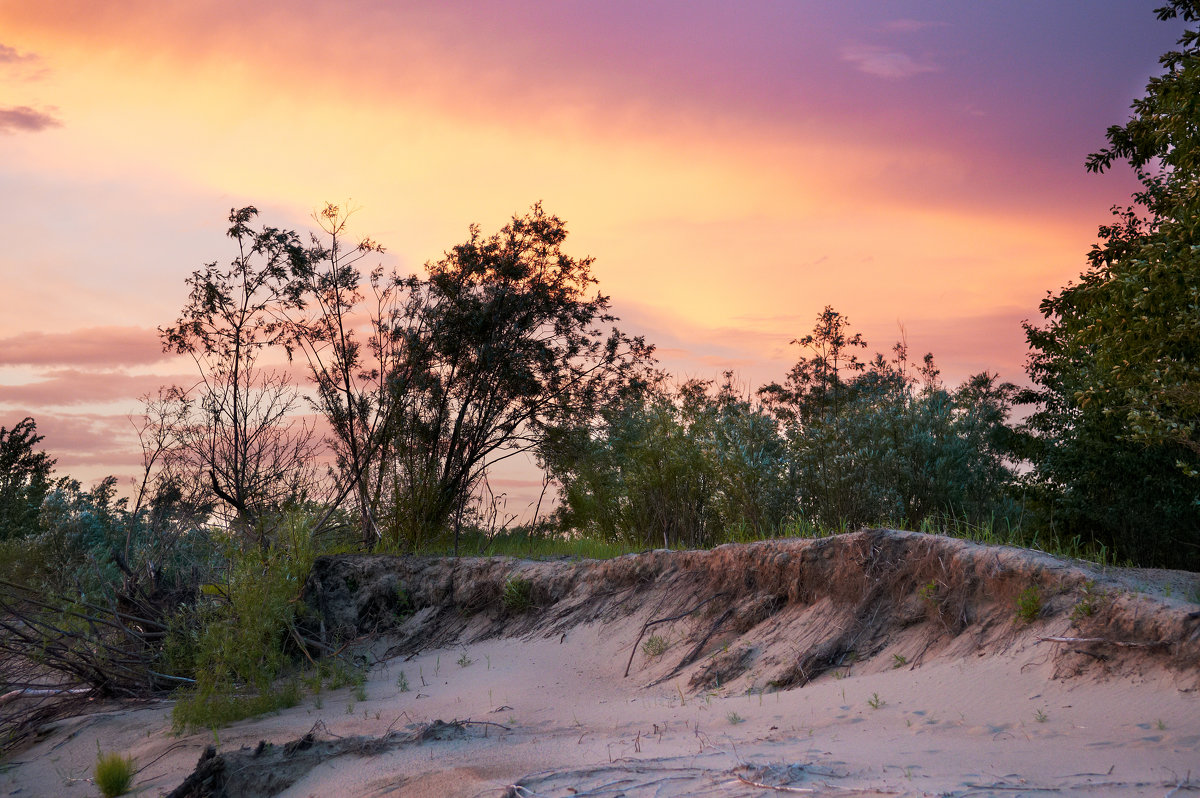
(113, 774)
(655, 646)
(517, 595)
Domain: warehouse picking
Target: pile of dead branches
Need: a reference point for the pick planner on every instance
(56, 650)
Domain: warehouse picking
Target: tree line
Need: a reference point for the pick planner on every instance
(505, 347)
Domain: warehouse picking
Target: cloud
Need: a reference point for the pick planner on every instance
(65, 387)
(911, 25)
(883, 62)
(22, 118)
(91, 346)
(10, 55)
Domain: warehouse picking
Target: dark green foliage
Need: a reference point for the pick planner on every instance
(1117, 382)
(24, 479)
(675, 468)
(874, 442)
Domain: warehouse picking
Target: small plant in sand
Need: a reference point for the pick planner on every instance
(464, 660)
(875, 702)
(1040, 716)
(1161, 725)
(360, 691)
(113, 774)
(517, 595)
(1029, 604)
(734, 718)
(1088, 603)
(928, 593)
(655, 646)
(899, 661)
(402, 682)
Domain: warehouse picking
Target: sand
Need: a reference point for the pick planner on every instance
(550, 713)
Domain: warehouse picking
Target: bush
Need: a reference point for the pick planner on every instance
(239, 643)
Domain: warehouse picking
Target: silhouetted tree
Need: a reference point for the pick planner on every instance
(353, 377)
(239, 430)
(502, 344)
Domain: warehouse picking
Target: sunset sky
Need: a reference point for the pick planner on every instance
(733, 167)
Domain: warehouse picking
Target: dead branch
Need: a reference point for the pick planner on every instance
(1104, 640)
(657, 621)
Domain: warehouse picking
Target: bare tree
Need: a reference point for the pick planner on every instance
(239, 431)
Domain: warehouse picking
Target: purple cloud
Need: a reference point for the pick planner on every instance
(22, 118)
(911, 25)
(883, 62)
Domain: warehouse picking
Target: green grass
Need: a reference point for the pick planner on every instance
(113, 774)
(517, 595)
(546, 543)
(1029, 604)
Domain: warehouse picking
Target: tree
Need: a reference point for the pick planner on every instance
(24, 479)
(352, 377)
(1140, 300)
(1117, 382)
(689, 466)
(501, 345)
(239, 432)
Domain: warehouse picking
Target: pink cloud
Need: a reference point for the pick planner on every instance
(83, 438)
(23, 119)
(65, 387)
(92, 346)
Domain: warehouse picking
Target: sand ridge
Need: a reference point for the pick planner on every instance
(907, 698)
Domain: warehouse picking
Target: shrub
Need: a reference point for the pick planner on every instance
(239, 641)
(655, 646)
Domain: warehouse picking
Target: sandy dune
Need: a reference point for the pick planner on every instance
(910, 702)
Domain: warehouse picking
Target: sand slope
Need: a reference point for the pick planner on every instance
(868, 664)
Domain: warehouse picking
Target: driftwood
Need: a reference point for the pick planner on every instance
(1105, 641)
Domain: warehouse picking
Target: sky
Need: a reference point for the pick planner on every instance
(732, 167)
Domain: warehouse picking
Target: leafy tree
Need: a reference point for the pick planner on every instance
(239, 432)
(1116, 451)
(1137, 308)
(501, 345)
(24, 479)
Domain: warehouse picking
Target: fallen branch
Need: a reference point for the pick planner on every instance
(777, 788)
(1105, 640)
(657, 621)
